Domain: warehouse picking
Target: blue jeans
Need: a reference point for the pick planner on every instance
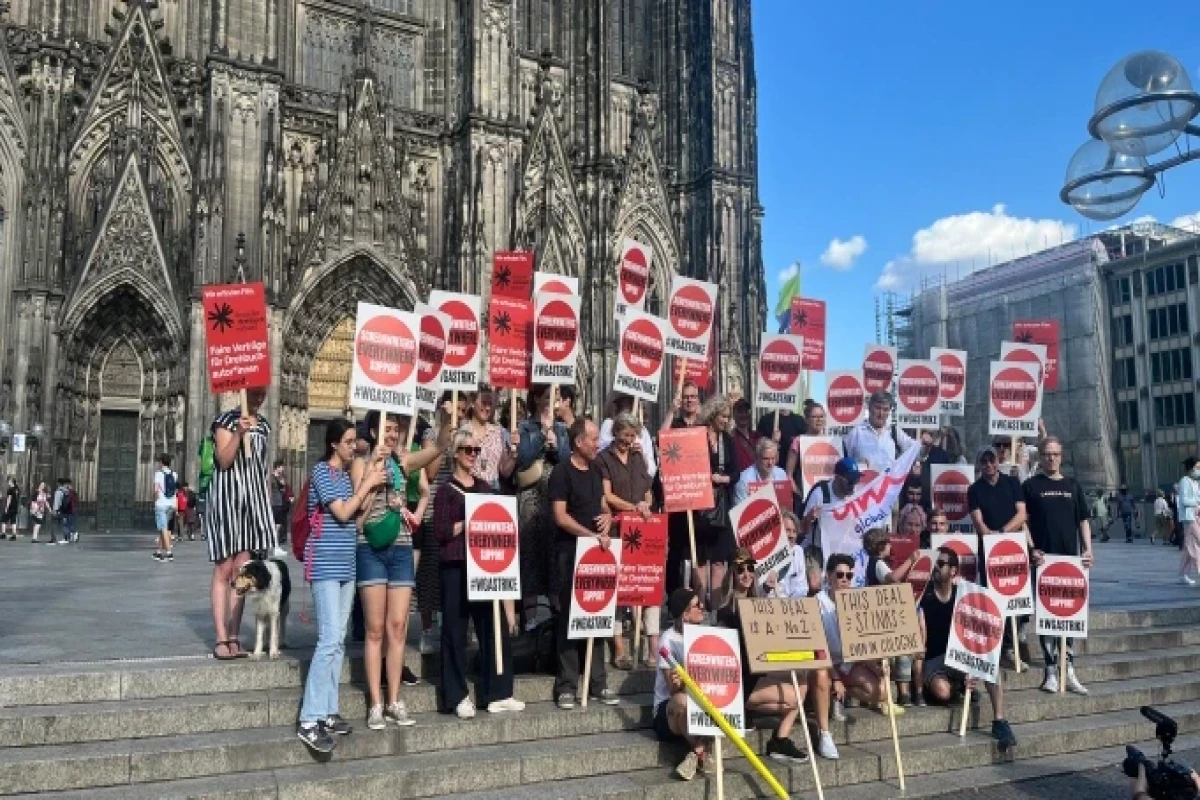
(331, 604)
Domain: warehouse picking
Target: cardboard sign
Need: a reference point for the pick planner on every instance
(493, 568)
(431, 355)
(1063, 589)
(782, 488)
(1014, 399)
(783, 634)
(918, 389)
(594, 589)
(976, 633)
(235, 333)
(948, 485)
(643, 559)
(845, 401)
(555, 338)
(817, 456)
(461, 368)
(921, 574)
(510, 331)
(952, 375)
(641, 354)
(691, 314)
(712, 657)
(879, 367)
(698, 372)
(633, 277)
(758, 526)
(384, 373)
(878, 622)
(512, 275)
(554, 284)
(686, 470)
(1042, 332)
(1016, 353)
(780, 372)
(1007, 563)
(808, 320)
(966, 545)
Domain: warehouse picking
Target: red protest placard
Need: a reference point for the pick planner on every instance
(686, 470)
(643, 559)
(512, 274)
(510, 331)
(1043, 332)
(235, 324)
(783, 492)
(808, 320)
(903, 546)
(878, 368)
(698, 372)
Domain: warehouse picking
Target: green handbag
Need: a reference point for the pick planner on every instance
(382, 528)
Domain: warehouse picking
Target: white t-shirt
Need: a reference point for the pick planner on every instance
(673, 641)
(830, 620)
(160, 488)
(882, 570)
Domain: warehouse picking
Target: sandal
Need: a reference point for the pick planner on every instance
(623, 663)
(229, 654)
(240, 652)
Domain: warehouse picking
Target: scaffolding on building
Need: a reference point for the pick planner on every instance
(893, 320)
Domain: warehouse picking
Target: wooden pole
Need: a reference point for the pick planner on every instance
(692, 543)
(1013, 451)
(1062, 664)
(454, 409)
(720, 768)
(512, 411)
(246, 446)
(776, 420)
(637, 409)
(587, 672)
(887, 690)
(412, 434)
(1016, 647)
(808, 745)
(966, 713)
(496, 635)
(637, 633)
(682, 377)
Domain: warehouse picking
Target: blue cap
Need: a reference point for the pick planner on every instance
(848, 469)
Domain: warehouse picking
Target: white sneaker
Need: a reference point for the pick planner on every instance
(1186, 581)
(508, 704)
(1050, 684)
(397, 712)
(465, 709)
(279, 552)
(430, 643)
(825, 746)
(1073, 684)
(375, 719)
(839, 711)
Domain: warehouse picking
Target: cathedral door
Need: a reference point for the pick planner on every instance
(117, 472)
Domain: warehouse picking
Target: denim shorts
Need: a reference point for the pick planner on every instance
(162, 517)
(392, 566)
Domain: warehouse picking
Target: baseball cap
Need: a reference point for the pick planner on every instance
(679, 601)
(848, 469)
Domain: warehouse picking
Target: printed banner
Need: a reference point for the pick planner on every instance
(594, 590)
(493, 568)
(817, 456)
(691, 313)
(1044, 332)
(463, 351)
(384, 373)
(712, 657)
(1006, 560)
(780, 374)
(918, 389)
(948, 484)
(510, 332)
(512, 275)
(686, 470)
(976, 633)
(643, 559)
(235, 328)
(555, 284)
(633, 277)
(878, 622)
(966, 545)
(431, 355)
(783, 634)
(758, 526)
(808, 320)
(1019, 353)
(556, 338)
(845, 401)
(1063, 589)
(952, 375)
(641, 357)
(1014, 399)
(879, 367)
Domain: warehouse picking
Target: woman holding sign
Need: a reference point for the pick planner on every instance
(449, 526)
(543, 444)
(714, 538)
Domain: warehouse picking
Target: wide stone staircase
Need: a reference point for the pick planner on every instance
(198, 728)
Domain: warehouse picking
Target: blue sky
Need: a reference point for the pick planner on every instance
(935, 132)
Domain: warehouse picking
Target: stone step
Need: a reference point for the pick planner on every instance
(1128, 640)
(631, 766)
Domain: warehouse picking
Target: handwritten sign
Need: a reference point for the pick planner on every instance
(783, 634)
(878, 622)
(686, 470)
(643, 559)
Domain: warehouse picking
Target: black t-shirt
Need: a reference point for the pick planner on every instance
(583, 491)
(1056, 507)
(790, 426)
(730, 617)
(938, 616)
(998, 503)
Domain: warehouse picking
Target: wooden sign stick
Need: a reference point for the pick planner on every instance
(1062, 664)
(246, 445)
(587, 672)
(682, 377)
(777, 420)
(637, 409)
(1013, 450)
(496, 633)
(1016, 647)
(966, 714)
(512, 411)
(692, 544)
(887, 690)
(808, 746)
(412, 431)
(637, 633)
(454, 409)
(720, 768)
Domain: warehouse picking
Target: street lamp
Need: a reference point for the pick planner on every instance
(1144, 105)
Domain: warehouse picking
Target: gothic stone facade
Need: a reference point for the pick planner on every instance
(341, 150)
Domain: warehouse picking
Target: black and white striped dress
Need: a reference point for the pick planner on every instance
(238, 518)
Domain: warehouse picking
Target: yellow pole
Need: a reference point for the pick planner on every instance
(723, 724)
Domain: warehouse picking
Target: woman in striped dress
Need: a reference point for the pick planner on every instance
(238, 521)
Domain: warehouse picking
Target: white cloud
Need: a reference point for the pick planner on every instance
(788, 273)
(841, 255)
(1188, 222)
(962, 243)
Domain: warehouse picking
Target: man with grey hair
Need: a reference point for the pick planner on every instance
(874, 444)
(765, 469)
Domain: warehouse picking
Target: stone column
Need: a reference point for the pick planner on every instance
(200, 409)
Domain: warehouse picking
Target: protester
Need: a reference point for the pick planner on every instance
(564, 409)
(791, 528)
(1058, 525)
(1189, 499)
(670, 695)
(873, 444)
(824, 495)
(765, 469)
(685, 410)
(877, 543)
(745, 438)
(38, 509)
(576, 492)
(165, 489)
(496, 457)
(1162, 518)
(644, 444)
(952, 444)
(12, 502)
(714, 538)
(782, 427)
(281, 500)
(814, 424)
(495, 690)
(935, 613)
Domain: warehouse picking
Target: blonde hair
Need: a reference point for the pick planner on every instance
(713, 407)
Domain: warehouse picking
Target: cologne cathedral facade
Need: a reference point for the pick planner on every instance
(338, 151)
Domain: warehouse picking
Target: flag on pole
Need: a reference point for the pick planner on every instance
(783, 308)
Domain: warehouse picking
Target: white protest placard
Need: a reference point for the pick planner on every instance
(1006, 561)
(641, 355)
(431, 355)
(493, 567)
(18, 443)
(713, 659)
(691, 312)
(555, 338)
(918, 388)
(633, 277)
(1025, 353)
(594, 590)
(817, 456)
(878, 368)
(460, 369)
(1063, 589)
(845, 401)
(758, 526)
(976, 632)
(554, 284)
(1014, 399)
(966, 546)
(780, 371)
(948, 484)
(384, 372)
(952, 374)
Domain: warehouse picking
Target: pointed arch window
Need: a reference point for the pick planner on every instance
(541, 26)
(327, 51)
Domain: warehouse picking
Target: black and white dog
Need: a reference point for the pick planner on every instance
(268, 582)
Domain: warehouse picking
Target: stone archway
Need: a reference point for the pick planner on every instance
(329, 385)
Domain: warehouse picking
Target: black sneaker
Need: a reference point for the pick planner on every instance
(158, 556)
(408, 678)
(336, 725)
(785, 750)
(316, 738)
(170, 555)
(1002, 733)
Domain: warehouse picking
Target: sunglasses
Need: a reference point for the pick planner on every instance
(941, 564)
(470, 450)
(742, 569)
(843, 576)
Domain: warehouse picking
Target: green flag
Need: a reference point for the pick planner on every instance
(790, 289)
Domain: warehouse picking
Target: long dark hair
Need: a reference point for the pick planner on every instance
(372, 434)
(335, 429)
